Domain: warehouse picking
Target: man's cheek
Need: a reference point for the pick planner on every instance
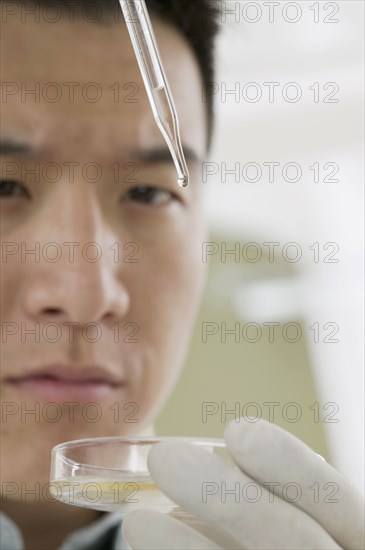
(21, 420)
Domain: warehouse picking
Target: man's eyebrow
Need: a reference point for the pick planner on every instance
(9, 147)
(154, 155)
(162, 154)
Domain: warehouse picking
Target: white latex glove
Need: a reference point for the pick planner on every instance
(327, 518)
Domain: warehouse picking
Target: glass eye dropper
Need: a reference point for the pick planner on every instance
(145, 47)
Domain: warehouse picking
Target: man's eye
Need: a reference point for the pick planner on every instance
(148, 195)
(12, 188)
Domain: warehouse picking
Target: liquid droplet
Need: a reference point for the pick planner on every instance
(183, 182)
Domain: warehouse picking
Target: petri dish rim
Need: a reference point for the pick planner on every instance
(57, 450)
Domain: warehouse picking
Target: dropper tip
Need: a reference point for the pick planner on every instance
(183, 181)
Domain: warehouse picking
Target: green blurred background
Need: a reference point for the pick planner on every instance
(226, 376)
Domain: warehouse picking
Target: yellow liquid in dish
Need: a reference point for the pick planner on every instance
(127, 494)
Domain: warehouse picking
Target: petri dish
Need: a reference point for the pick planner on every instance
(111, 474)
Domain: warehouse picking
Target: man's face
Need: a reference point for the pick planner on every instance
(96, 321)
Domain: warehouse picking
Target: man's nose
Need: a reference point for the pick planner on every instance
(81, 297)
(86, 284)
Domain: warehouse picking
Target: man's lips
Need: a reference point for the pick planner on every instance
(59, 383)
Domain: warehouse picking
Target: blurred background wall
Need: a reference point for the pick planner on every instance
(284, 194)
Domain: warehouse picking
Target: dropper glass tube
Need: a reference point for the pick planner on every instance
(149, 60)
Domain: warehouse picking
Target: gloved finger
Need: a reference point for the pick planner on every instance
(147, 529)
(296, 473)
(184, 471)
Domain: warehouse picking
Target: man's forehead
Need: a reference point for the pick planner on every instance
(78, 84)
(61, 46)
(85, 52)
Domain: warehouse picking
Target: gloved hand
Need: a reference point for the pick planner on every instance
(318, 510)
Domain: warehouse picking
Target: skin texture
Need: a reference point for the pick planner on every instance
(158, 294)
